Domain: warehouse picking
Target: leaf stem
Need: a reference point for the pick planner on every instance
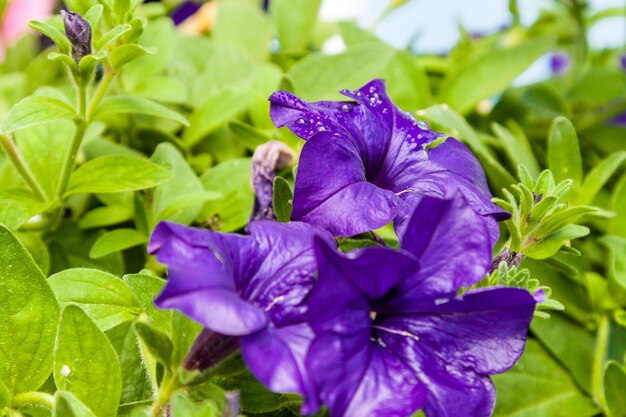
(100, 92)
(33, 399)
(168, 387)
(12, 151)
(70, 157)
(602, 342)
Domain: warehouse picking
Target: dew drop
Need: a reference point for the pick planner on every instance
(302, 122)
(385, 110)
(321, 129)
(372, 89)
(423, 125)
(346, 108)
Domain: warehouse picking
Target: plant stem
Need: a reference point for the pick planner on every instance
(100, 92)
(168, 387)
(597, 381)
(33, 399)
(22, 167)
(70, 157)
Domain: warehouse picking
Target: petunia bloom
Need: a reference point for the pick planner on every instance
(365, 164)
(246, 286)
(390, 341)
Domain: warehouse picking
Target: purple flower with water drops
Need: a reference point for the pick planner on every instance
(365, 163)
(251, 287)
(390, 340)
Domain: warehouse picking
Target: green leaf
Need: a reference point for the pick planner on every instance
(115, 173)
(5, 396)
(29, 315)
(616, 262)
(104, 297)
(105, 216)
(67, 405)
(180, 199)
(183, 332)
(113, 105)
(36, 110)
(283, 199)
(618, 205)
(571, 344)
(247, 135)
(124, 54)
(232, 179)
(455, 125)
(598, 176)
(53, 33)
(111, 36)
(86, 364)
(517, 147)
(564, 159)
(490, 72)
(146, 288)
(552, 243)
(614, 383)
(216, 110)
(93, 15)
(115, 241)
(294, 21)
(538, 387)
(158, 343)
(322, 76)
(17, 206)
(183, 406)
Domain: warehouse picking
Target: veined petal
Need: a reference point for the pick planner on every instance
(332, 191)
(276, 357)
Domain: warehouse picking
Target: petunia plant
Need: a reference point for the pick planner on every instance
(231, 208)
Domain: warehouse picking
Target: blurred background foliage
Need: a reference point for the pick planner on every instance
(218, 67)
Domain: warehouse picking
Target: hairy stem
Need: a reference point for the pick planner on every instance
(10, 148)
(33, 399)
(70, 157)
(169, 385)
(597, 372)
(100, 92)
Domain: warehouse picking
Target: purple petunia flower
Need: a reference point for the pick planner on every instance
(247, 286)
(365, 163)
(559, 62)
(390, 341)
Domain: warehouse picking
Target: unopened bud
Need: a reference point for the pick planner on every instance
(78, 32)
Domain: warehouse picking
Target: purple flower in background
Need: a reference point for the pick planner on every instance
(390, 341)
(622, 61)
(559, 62)
(247, 286)
(184, 11)
(364, 163)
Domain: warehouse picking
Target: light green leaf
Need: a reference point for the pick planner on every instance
(146, 288)
(163, 89)
(552, 243)
(86, 364)
(17, 206)
(124, 54)
(115, 173)
(294, 21)
(105, 216)
(181, 198)
(115, 241)
(322, 76)
(455, 125)
(538, 387)
(183, 332)
(104, 297)
(283, 199)
(616, 262)
(598, 176)
(517, 148)
(112, 35)
(28, 318)
(564, 158)
(618, 205)
(35, 110)
(614, 384)
(53, 33)
(113, 105)
(67, 405)
(489, 72)
(217, 109)
(232, 179)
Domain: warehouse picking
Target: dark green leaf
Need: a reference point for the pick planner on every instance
(157, 342)
(283, 197)
(564, 159)
(67, 405)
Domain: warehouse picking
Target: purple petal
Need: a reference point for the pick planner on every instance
(285, 372)
(332, 191)
(356, 379)
(285, 275)
(453, 246)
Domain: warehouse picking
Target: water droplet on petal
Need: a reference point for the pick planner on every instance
(409, 115)
(423, 125)
(372, 89)
(321, 129)
(302, 122)
(346, 108)
(385, 110)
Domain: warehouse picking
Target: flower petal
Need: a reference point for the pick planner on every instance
(453, 245)
(285, 372)
(332, 191)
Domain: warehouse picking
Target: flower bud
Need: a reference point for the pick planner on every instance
(78, 32)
